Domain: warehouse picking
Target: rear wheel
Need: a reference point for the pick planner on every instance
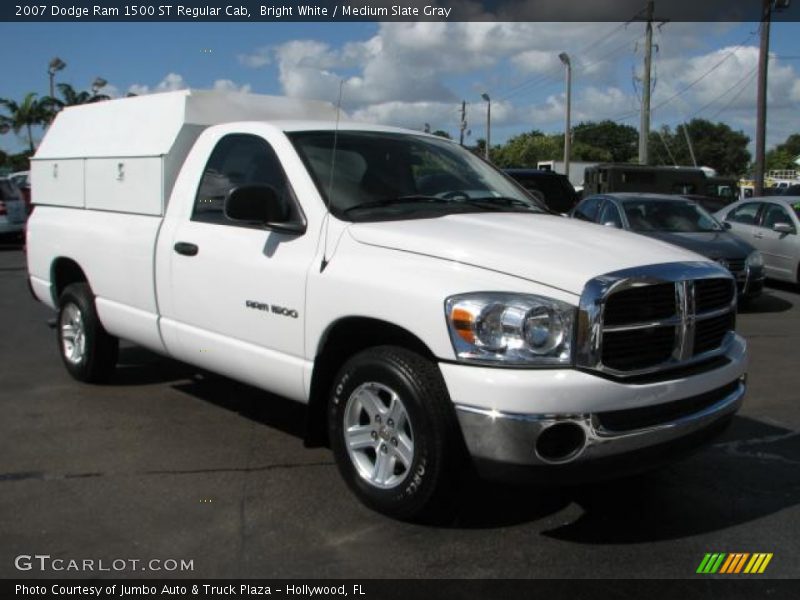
(88, 351)
(394, 434)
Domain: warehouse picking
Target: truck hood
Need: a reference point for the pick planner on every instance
(550, 250)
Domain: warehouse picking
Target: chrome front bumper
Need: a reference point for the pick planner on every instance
(511, 439)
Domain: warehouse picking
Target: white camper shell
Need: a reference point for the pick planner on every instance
(124, 156)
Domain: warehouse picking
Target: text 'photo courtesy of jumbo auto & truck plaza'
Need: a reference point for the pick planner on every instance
(385, 301)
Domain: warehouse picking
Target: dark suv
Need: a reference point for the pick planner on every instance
(552, 189)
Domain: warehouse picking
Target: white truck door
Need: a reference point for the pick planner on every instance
(237, 291)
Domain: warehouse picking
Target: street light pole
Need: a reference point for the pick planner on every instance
(564, 57)
(488, 124)
(55, 65)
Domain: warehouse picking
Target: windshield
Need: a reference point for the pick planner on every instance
(668, 215)
(383, 176)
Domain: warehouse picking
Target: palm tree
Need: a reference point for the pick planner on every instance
(28, 114)
(71, 97)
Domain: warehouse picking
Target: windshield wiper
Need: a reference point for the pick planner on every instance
(489, 203)
(502, 203)
(399, 200)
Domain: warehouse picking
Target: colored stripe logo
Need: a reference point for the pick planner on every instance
(734, 563)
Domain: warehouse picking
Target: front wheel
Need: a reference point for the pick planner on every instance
(393, 432)
(88, 351)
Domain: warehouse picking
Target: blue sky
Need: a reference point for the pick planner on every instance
(414, 73)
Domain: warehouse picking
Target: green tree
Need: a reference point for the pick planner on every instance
(715, 145)
(783, 155)
(442, 133)
(779, 159)
(581, 151)
(619, 142)
(792, 144)
(71, 97)
(526, 149)
(29, 113)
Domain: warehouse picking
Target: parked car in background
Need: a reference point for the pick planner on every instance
(22, 179)
(792, 190)
(710, 203)
(12, 209)
(553, 189)
(771, 224)
(682, 222)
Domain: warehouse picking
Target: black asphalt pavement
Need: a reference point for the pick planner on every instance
(168, 463)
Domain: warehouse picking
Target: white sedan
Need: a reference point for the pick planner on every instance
(771, 224)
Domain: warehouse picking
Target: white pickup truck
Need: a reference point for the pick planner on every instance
(421, 304)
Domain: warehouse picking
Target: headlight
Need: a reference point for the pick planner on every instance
(755, 260)
(512, 329)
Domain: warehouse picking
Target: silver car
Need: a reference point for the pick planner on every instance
(771, 224)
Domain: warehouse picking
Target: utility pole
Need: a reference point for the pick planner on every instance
(564, 58)
(767, 8)
(463, 124)
(488, 147)
(761, 106)
(644, 125)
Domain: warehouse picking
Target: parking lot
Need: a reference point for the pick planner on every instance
(168, 463)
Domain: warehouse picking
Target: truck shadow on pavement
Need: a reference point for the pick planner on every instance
(750, 472)
(765, 303)
(138, 366)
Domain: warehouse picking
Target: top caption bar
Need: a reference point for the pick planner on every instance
(408, 10)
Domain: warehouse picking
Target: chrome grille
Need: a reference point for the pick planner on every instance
(655, 318)
(712, 294)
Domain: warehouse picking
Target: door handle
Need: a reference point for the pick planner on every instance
(186, 248)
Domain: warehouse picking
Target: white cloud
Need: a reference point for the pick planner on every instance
(411, 73)
(170, 83)
(260, 57)
(226, 85)
(795, 95)
(175, 81)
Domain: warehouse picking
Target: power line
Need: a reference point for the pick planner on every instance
(554, 73)
(705, 74)
(739, 93)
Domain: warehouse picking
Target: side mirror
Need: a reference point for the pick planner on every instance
(259, 204)
(783, 228)
(727, 225)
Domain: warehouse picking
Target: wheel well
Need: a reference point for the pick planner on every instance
(342, 340)
(64, 272)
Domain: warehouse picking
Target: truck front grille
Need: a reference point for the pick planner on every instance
(656, 318)
(638, 349)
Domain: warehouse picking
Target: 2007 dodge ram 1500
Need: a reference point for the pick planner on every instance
(422, 304)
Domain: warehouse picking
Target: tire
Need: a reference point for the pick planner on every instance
(404, 450)
(88, 351)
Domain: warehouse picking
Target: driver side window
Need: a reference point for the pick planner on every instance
(237, 160)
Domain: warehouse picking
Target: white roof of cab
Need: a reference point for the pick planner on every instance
(149, 125)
